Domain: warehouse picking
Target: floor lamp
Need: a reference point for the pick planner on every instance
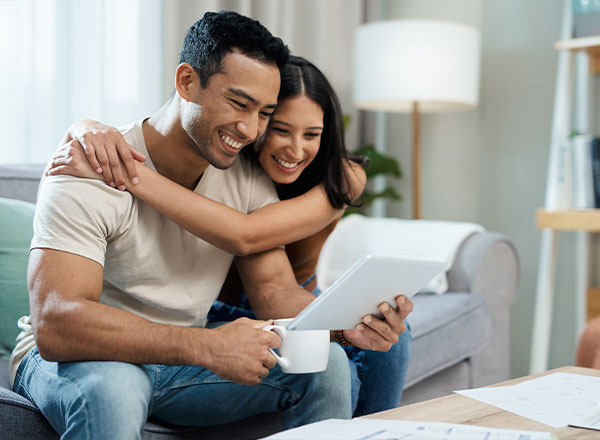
(416, 66)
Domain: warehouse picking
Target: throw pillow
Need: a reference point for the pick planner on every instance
(16, 231)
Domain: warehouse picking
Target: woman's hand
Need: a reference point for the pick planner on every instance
(380, 334)
(70, 159)
(105, 149)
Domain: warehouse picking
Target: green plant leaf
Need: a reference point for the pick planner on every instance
(347, 121)
(388, 193)
(351, 211)
(381, 164)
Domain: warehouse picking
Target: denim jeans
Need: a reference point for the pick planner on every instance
(377, 378)
(112, 400)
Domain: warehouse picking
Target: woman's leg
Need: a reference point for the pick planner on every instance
(380, 376)
(223, 312)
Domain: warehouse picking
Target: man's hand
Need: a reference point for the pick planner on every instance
(374, 334)
(239, 351)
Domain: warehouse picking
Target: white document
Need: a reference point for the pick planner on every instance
(590, 421)
(555, 400)
(374, 429)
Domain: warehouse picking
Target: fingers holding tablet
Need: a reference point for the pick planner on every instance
(381, 334)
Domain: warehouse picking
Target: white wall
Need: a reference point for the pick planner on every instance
(489, 165)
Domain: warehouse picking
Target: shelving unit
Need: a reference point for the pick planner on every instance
(585, 220)
(552, 221)
(589, 45)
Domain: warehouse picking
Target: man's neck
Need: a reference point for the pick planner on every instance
(172, 152)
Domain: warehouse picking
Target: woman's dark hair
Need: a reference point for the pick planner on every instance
(301, 77)
(218, 33)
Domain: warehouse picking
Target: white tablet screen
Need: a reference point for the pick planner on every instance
(369, 282)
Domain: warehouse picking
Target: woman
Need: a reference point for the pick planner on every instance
(303, 151)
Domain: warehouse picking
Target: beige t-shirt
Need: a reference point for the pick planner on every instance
(152, 266)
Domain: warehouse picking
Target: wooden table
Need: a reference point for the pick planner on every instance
(456, 408)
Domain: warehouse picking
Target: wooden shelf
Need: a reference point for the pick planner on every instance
(584, 220)
(593, 302)
(590, 45)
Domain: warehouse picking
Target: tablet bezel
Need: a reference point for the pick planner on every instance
(367, 283)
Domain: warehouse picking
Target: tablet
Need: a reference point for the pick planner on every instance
(366, 284)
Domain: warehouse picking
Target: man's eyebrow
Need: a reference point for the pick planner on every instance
(244, 95)
(316, 127)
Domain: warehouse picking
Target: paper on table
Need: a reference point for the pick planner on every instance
(372, 429)
(590, 421)
(554, 400)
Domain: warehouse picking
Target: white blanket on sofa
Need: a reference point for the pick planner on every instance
(357, 235)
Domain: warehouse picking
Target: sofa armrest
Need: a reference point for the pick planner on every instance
(484, 263)
(487, 264)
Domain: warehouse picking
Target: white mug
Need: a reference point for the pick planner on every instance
(301, 351)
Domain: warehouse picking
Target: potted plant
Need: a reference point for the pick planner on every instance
(376, 164)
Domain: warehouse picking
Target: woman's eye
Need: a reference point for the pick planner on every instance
(279, 130)
(311, 135)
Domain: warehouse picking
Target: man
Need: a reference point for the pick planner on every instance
(119, 294)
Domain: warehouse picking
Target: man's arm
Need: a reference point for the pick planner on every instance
(69, 324)
(271, 286)
(273, 293)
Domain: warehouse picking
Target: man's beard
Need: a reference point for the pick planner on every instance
(198, 131)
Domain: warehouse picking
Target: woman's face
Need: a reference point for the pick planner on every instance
(293, 139)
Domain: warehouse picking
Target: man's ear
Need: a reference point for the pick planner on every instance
(187, 81)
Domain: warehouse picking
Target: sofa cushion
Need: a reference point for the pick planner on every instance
(446, 329)
(16, 231)
(20, 181)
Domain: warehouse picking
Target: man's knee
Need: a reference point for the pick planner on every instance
(88, 399)
(116, 386)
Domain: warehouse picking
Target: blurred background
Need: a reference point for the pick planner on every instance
(114, 60)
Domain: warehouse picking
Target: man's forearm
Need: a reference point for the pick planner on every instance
(282, 303)
(294, 304)
(87, 330)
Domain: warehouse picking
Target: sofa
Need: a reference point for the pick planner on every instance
(460, 338)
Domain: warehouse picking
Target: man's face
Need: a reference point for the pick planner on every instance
(233, 110)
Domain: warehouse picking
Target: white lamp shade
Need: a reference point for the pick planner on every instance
(399, 62)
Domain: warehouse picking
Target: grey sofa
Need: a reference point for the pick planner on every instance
(460, 339)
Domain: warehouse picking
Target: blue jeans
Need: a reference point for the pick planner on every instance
(113, 400)
(377, 378)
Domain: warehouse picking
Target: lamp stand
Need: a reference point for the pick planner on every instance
(416, 161)
(379, 183)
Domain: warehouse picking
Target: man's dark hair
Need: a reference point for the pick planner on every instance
(218, 33)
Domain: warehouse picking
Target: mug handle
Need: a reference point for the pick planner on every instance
(282, 332)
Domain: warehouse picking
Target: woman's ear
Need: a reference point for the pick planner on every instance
(186, 81)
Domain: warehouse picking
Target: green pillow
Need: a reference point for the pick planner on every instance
(16, 232)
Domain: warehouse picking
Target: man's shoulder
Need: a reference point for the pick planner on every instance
(248, 172)
(88, 191)
(243, 186)
(80, 216)
(91, 196)
(134, 134)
